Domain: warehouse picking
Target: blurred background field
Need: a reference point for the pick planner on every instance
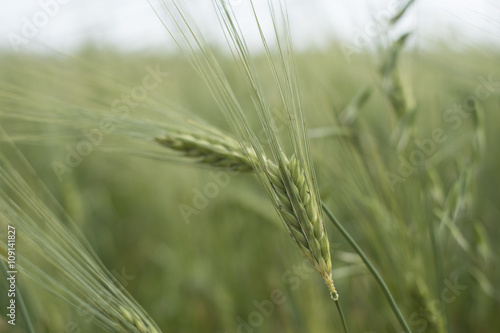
(207, 273)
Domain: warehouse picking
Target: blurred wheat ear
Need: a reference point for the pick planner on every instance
(55, 248)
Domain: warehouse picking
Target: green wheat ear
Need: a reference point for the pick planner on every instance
(225, 154)
(293, 197)
(299, 211)
(290, 183)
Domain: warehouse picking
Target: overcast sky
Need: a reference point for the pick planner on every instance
(132, 25)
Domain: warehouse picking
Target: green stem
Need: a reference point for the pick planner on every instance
(371, 268)
(342, 318)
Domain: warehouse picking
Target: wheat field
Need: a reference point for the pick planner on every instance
(222, 189)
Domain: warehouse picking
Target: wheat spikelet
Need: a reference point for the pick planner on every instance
(223, 153)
